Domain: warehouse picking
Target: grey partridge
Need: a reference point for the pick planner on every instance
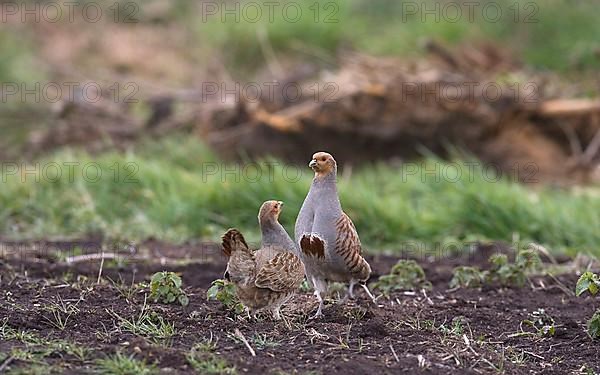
(268, 277)
(329, 244)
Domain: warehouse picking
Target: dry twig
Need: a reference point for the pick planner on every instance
(241, 336)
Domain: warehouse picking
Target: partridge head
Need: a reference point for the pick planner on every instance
(269, 212)
(323, 164)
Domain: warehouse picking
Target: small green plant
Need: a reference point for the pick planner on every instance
(148, 324)
(204, 362)
(593, 325)
(541, 322)
(73, 349)
(467, 277)
(501, 272)
(208, 344)
(262, 341)
(405, 275)
(514, 274)
(224, 292)
(590, 282)
(59, 312)
(38, 348)
(165, 287)
(120, 364)
(457, 327)
(126, 291)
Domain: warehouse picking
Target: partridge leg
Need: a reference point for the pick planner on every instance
(320, 292)
(349, 293)
(351, 289)
(366, 288)
(319, 313)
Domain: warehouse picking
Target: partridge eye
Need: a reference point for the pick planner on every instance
(323, 159)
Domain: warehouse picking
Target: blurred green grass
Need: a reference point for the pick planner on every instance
(18, 71)
(559, 35)
(176, 194)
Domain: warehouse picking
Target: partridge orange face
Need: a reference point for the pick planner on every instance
(270, 210)
(322, 163)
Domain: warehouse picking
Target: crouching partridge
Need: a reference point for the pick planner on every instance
(268, 277)
(329, 244)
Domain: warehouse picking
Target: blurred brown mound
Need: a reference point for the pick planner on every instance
(94, 126)
(476, 100)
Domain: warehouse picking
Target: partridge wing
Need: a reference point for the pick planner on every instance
(347, 242)
(282, 273)
(349, 249)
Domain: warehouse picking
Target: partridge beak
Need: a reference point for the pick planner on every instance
(280, 203)
(312, 163)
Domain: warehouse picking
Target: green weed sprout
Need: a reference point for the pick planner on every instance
(165, 287)
(224, 292)
(590, 282)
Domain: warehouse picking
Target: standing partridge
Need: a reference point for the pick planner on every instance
(266, 278)
(329, 244)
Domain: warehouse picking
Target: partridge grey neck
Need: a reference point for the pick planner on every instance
(321, 209)
(323, 194)
(274, 234)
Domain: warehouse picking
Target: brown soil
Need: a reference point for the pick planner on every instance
(408, 333)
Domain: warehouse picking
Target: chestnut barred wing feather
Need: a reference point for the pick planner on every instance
(346, 241)
(284, 272)
(349, 249)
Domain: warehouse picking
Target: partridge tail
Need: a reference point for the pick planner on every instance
(233, 241)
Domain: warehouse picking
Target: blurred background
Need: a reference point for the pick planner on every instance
(451, 121)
